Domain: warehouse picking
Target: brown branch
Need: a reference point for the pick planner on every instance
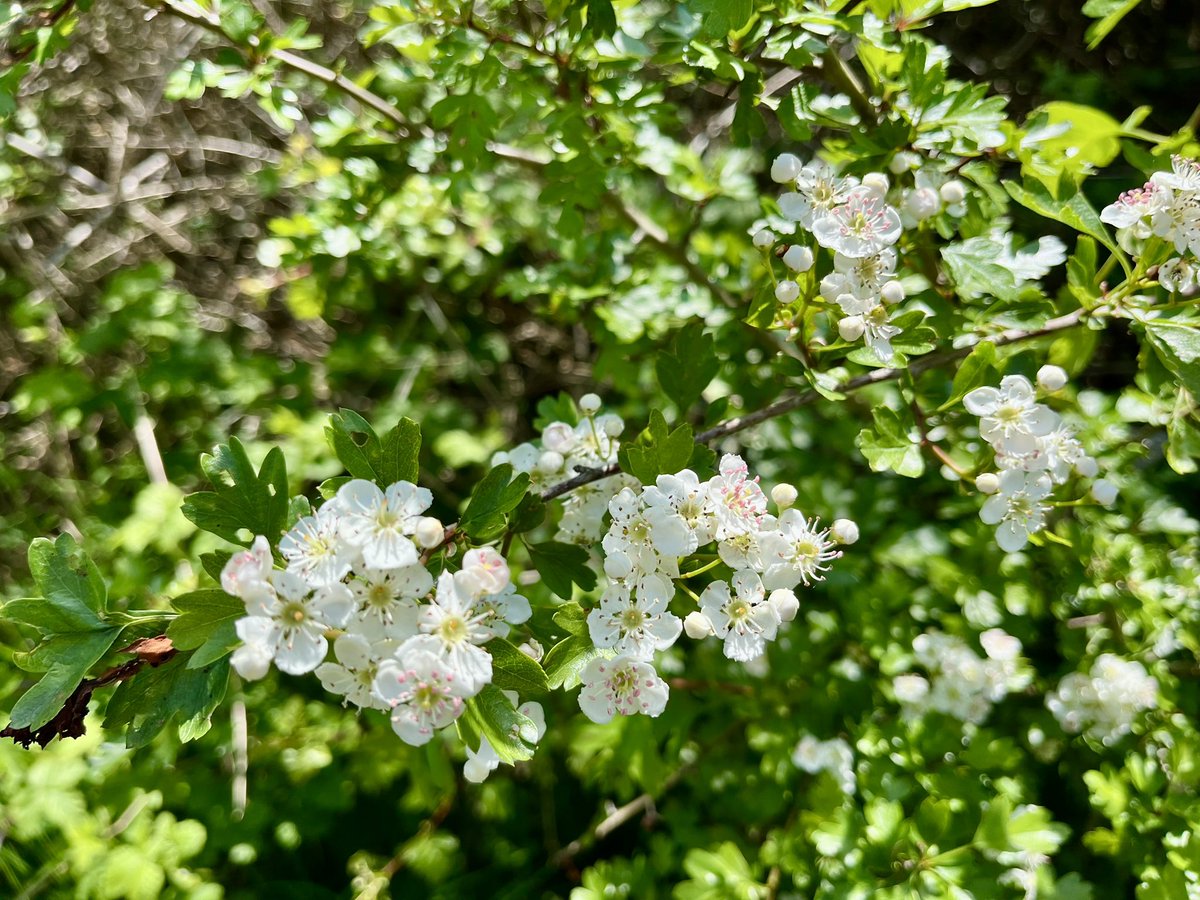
(68, 721)
(796, 401)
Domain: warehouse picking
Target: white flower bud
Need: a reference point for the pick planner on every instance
(549, 463)
(529, 576)
(910, 688)
(429, 532)
(785, 604)
(589, 403)
(764, 238)
(697, 626)
(851, 328)
(1051, 378)
(1087, 467)
(953, 192)
(877, 183)
(844, 531)
(784, 495)
(903, 161)
(785, 168)
(798, 258)
(892, 292)
(532, 649)
(922, 203)
(988, 483)
(787, 291)
(559, 437)
(611, 424)
(1104, 491)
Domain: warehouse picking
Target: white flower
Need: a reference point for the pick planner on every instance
(245, 575)
(879, 333)
(863, 278)
(798, 552)
(684, 493)
(862, 226)
(502, 610)
(380, 523)
(653, 537)
(818, 190)
(1017, 508)
(621, 686)
(482, 762)
(385, 604)
(290, 627)
(1184, 175)
(785, 168)
(738, 503)
(259, 636)
(743, 618)
(353, 675)
(1133, 207)
(484, 571)
(635, 624)
(451, 628)
(422, 692)
(315, 550)
(1178, 275)
(1010, 419)
(910, 688)
(1105, 703)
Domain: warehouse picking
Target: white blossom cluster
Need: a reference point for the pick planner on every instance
(407, 643)
(1104, 703)
(1035, 452)
(562, 453)
(833, 756)
(959, 682)
(651, 531)
(1166, 207)
(859, 221)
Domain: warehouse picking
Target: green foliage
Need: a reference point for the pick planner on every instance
(498, 494)
(661, 450)
(889, 446)
(386, 460)
(562, 566)
(243, 503)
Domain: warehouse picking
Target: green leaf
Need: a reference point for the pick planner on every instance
(658, 450)
(601, 18)
(888, 446)
(559, 408)
(1178, 346)
(220, 643)
(144, 704)
(497, 495)
(972, 267)
(73, 593)
(1091, 139)
(493, 716)
(975, 371)
(395, 457)
(571, 618)
(566, 660)
(243, 503)
(528, 515)
(512, 670)
(66, 659)
(719, 17)
(1074, 211)
(561, 566)
(1110, 13)
(1032, 830)
(686, 369)
(201, 614)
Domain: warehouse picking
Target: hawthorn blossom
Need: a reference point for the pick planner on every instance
(742, 617)
(1010, 419)
(315, 549)
(688, 497)
(452, 627)
(861, 277)
(800, 551)
(862, 226)
(635, 623)
(385, 601)
(422, 692)
(502, 610)
(246, 574)
(738, 503)
(621, 686)
(352, 677)
(1017, 508)
(818, 190)
(484, 571)
(652, 537)
(1104, 703)
(380, 523)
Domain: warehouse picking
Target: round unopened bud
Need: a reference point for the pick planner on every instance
(1052, 378)
(785, 604)
(988, 482)
(1087, 467)
(785, 495)
(798, 258)
(589, 403)
(892, 292)
(611, 424)
(559, 437)
(549, 463)
(785, 168)
(922, 203)
(429, 532)
(903, 162)
(1104, 491)
(953, 192)
(787, 291)
(877, 183)
(844, 531)
(697, 626)
(851, 328)
(764, 238)
(532, 649)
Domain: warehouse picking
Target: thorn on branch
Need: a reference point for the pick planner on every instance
(68, 721)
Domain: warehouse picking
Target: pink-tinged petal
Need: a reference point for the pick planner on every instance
(1012, 536)
(982, 401)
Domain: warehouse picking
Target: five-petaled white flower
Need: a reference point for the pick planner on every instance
(652, 537)
(621, 686)
(798, 552)
(422, 692)
(380, 523)
(451, 628)
(743, 618)
(1010, 419)
(352, 677)
(636, 623)
(385, 602)
(1017, 508)
(289, 626)
(315, 550)
(818, 190)
(862, 226)
(738, 503)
